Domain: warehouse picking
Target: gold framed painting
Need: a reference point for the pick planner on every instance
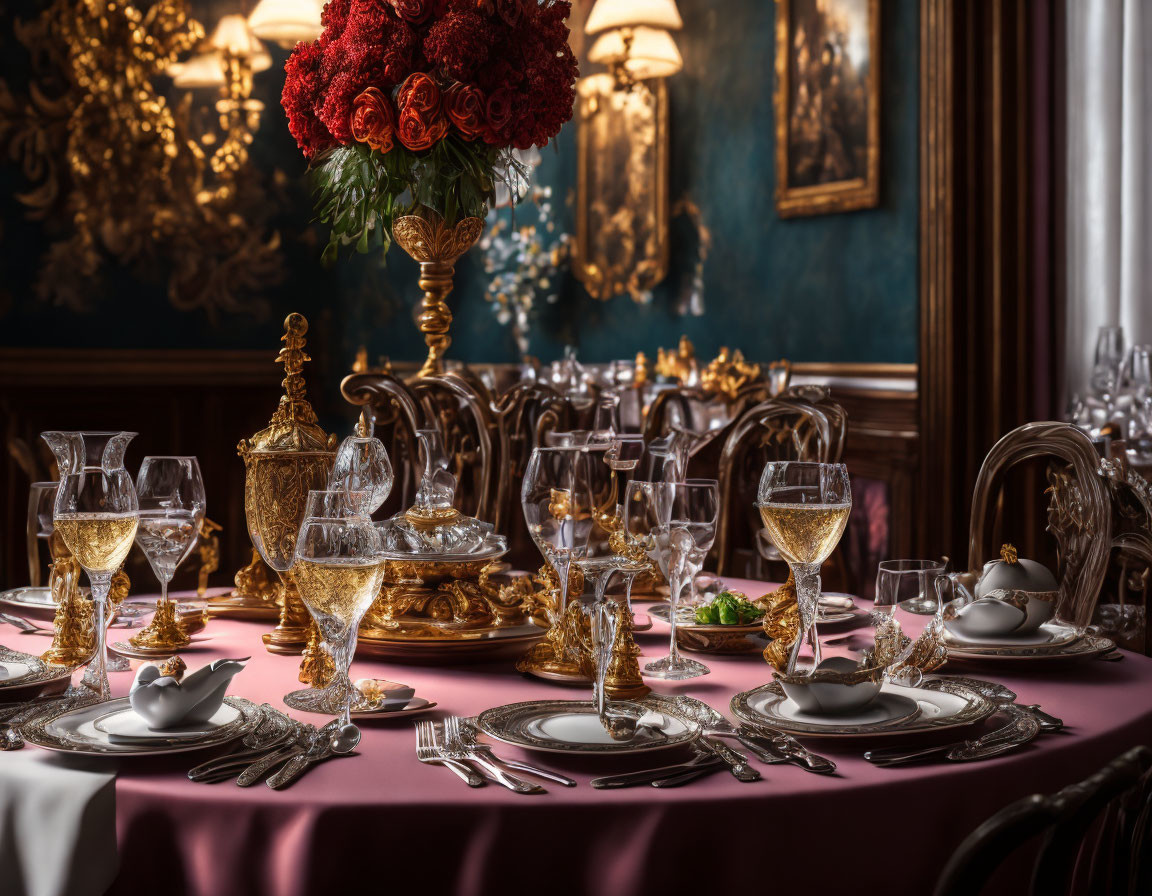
(827, 106)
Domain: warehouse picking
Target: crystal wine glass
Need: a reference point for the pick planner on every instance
(96, 514)
(170, 492)
(907, 591)
(338, 570)
(805, 507)
(1106, 362)
(41, 499)
(555, 485)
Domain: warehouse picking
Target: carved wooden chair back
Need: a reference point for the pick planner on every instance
(1095, 836)
(1099, 510)
(801, 424)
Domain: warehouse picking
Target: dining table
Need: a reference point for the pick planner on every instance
(381, 819)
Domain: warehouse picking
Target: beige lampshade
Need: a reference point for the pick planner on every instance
(609, 14)
(207, 69)
(232, 35)
(652, 54)
(202, 70)
(287, 22)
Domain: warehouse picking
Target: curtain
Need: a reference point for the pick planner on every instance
(1109, 169)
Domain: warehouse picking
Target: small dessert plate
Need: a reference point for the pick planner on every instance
(312, 700)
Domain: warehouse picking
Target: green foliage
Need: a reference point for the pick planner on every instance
(359, 191)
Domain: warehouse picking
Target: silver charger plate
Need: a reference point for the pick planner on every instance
(123, 725)
(941, 704)
(33, 671)
(74, 731)
(572, 726)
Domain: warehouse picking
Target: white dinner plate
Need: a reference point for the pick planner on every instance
(75, 730)
(1050, 634)
(24, 672)
(572, 726)
(124, 725)
(940, 704)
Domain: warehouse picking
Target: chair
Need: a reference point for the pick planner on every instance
(1094, 836)
(1098, 509)
(801, 424)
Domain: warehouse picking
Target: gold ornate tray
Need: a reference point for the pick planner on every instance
(451, 646)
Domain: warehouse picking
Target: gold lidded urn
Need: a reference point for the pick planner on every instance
(436, 245)
(291, 456)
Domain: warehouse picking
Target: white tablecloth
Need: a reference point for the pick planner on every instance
(57, 826)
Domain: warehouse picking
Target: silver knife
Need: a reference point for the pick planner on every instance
(632, 779)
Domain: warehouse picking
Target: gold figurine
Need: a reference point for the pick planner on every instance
(781, 623)
(316, 665)
(74, 635)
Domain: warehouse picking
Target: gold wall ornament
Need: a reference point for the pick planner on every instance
(209, 550)
(283, 462)
(679, 363)
(621, 244)
(119, 171)
(436, 246)
(728, 373)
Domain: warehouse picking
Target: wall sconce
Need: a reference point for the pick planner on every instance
(287, 22)
(622, 167)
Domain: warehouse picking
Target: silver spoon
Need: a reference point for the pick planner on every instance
(345, 739)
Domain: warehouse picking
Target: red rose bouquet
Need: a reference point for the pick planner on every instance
(407, 105)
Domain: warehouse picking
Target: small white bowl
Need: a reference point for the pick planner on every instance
(838, 685)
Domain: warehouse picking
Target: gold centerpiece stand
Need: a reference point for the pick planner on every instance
(283, 462)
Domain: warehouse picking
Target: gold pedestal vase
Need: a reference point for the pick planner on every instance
(428, 239)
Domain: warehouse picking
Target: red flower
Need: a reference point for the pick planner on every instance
(373, 120)
(302, 90)
(414, 11)
(464, 106)
(459, 43)
(421, 122)
(498, 113)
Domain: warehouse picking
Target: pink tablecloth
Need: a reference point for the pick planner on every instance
(382, 819)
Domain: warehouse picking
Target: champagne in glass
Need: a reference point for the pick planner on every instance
(805, 507)
(96, 514)
(338, 571)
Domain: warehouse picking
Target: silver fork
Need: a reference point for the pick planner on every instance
(1022, 727)
(468, 734)
(427, 751)
(455, 748)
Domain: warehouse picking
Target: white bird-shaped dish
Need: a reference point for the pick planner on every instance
(166, 702)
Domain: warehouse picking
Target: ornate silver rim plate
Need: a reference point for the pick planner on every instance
(1087, 647)
(39, 672)
(662, 611)
(571, 726)
(942, 704)
(72, 730)
(1049, 636)
(29, 597)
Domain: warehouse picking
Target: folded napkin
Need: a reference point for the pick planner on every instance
(57, 827)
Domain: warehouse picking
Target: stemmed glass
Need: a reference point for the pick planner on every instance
(681, 521)
(911, 588)
(1107, 360)
(41, 498)
(170, 492)
(805, 507)
(96, 514)
(555, 487)
(338, 570)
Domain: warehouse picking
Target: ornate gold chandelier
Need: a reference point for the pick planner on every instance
(121, 173)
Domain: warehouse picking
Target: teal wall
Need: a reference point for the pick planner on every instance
(827, 288)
